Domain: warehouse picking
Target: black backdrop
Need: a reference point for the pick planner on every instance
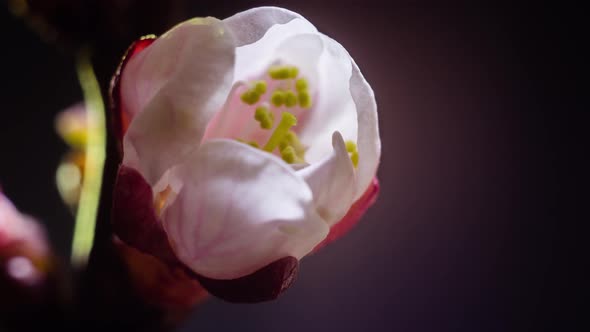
(479, 128)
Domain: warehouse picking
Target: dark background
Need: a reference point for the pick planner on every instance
(480, 130)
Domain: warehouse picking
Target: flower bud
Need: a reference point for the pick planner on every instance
(246, 143)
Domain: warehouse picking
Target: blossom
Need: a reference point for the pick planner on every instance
(25, 259)
(247, 142)
(21, 238)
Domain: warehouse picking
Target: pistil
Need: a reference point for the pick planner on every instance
(288, 120)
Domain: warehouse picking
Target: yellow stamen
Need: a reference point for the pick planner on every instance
(260, 87)
(278, 98)
(293, 91)
(293, 72)
(352, 149)
(283, 72)
(264, 116)
(251, 143)
(288, 120)
(354, 157)
(292, 139)
(290, 99)
(288, 154)
(350, 146)
(301, 85)
(304, 99)
(250, 97)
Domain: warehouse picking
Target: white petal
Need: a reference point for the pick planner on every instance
(175, 86)
(303, 51)
(346, 103)
(334, 108)
(240, 209)
(332, 182)
(228, 121)
(369, 142)
(258, 32)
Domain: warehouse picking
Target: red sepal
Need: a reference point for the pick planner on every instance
(134, 217)
(263, 285)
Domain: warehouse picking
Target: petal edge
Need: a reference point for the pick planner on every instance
(354, 214)
(120, 118)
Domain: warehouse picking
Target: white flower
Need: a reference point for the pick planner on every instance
(256, 134)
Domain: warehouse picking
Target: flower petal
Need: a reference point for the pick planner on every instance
(263, 285)
(368, 141)
(121, 116)
(304, 51)
(258, 32)
(334, 109)
(330, 181)
(174, 87)
(357, 210)
(229, 121)
(134, 218)
(251, 25)
(239, 210)
(346, 103)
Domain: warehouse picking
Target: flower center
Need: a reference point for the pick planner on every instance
(263, 113)
(290, 94)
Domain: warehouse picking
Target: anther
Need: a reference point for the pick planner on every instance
(354, 154)
(250, 97)
(260, 87)
(293, 72)
(290, 99)
(288, 154)
(304, 99)
(292, 140)
(301, 85)
(283, 72)
(251, 143)
(278, 98)
(263, 116)
(350, 146)
(354, 157)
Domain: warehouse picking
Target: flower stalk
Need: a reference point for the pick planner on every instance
(93, 167)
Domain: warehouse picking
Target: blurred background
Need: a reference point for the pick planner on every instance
(478, 124)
